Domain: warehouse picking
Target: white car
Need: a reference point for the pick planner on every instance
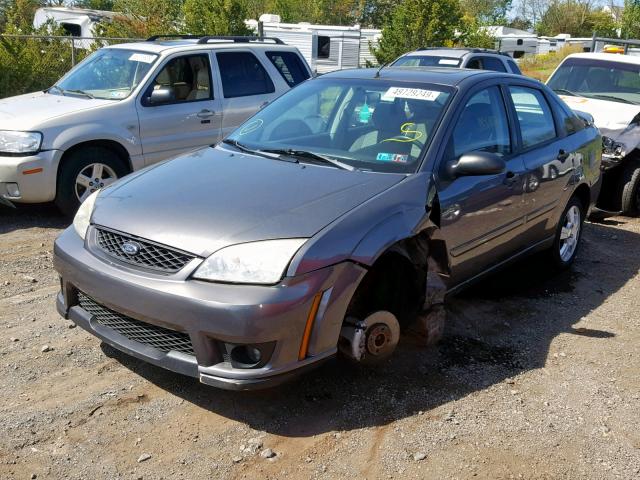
(131, 105)
(607, 86)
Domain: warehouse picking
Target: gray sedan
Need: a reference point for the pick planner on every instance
(331, 220)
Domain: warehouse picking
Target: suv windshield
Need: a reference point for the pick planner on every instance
(375, 125)
(426, 61)
(110, 74)
(595, 78)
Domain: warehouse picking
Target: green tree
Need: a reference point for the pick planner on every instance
(576, 17)
(631, 19)
(215, 17)
(486, 11)
(419, 23)
(143, 18)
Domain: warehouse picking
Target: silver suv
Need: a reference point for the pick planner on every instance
(475, 58)
(128, 106)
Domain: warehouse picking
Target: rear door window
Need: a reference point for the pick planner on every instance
(243, 75)
(290, 67)
(474, 63)
(491, 63)
(534, 115)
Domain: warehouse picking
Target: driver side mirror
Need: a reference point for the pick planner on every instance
(476, 163)
(161, 95)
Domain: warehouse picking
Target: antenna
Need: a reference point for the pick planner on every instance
(377, 75)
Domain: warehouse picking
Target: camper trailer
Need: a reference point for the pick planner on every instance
(325, 47)
(517, 43)
(76, 22)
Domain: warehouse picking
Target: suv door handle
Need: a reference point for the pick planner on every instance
(205, 113)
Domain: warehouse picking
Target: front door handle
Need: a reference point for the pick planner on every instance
(206, 113)
(562, 155)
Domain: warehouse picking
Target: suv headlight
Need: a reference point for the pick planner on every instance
(83, 216)
(261, 262)
(20, 142)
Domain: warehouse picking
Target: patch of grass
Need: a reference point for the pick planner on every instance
(543, 65)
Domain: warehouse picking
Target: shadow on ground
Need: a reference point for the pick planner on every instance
(31, 216)
(497, 329)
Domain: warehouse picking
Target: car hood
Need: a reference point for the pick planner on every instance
(213, 198)
(616, 120)
(30, 111)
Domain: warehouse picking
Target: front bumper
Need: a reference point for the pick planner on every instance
(210, 314)
(33, 176)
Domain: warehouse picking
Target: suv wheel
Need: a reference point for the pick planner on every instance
(630, 187)
(568, 234)
(84, 172)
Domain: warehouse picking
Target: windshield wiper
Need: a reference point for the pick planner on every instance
(80, 92)
(313, 156)
(262, 153)
(612, 97)
(564, 91)
(55, 87)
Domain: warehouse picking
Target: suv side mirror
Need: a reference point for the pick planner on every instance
(161, 95)
(477, 163)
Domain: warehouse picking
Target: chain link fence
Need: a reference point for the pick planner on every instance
(29, 63)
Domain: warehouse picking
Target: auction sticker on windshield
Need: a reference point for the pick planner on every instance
(413, 93)
(141, 57)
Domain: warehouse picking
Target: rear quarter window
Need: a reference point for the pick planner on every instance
(513, 66)
(290, 67)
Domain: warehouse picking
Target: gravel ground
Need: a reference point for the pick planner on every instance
(537, 377)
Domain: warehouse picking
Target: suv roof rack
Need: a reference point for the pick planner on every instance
(236, 39)
(154, 38)
(468, 49)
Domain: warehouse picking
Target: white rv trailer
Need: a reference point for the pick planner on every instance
(513, 41)
(77, 22)
(325, 47)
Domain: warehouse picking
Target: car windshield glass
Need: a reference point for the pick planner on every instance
(375, 125)
(596, 78)
(107, 74)
(426, 61)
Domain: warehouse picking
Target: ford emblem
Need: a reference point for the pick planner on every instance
(130, 248)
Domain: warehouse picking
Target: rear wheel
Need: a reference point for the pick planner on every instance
(630, 188)
(84, 172)
(568, 234)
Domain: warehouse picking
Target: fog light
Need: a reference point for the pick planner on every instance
(13, 190)
(246, 355)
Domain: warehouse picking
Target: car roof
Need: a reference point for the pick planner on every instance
(161, 46)
(452, 52)
(609, 57)
(436, 75)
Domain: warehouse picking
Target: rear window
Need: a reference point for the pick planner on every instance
(491, 63)
(290, 67)
(243, 75)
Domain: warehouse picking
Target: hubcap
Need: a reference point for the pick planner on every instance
(570, 233)
(93, 177)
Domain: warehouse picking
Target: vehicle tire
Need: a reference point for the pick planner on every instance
(84, 171)
(568, 234)
(630, 189)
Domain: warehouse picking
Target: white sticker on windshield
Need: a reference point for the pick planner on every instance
(414, 93)
(141, 57)
(448, 61)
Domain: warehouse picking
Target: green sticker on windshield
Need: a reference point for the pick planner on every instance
(392, 157)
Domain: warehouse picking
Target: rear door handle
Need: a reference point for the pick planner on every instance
(206, 113)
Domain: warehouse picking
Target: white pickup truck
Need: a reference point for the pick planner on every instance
(607, 86)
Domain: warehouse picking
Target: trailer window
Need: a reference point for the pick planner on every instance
(290, 67)
(324, 47)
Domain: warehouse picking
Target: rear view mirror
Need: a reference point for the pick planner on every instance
(161, 95)
(477, 163)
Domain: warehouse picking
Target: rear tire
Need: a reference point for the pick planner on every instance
(568, 234)
(630, 188)
(84, 171)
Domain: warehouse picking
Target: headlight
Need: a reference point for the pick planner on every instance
(256, 262)
(20, 142)
(83, 216)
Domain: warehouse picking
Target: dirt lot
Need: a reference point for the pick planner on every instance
(537, 377)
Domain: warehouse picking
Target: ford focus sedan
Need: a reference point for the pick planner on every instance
(326, 222)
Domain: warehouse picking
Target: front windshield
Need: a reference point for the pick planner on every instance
(595, 78)
(375, 125)
(426, 61)
(109, 73)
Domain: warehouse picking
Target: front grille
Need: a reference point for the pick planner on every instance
(149, 255)
(159, 338)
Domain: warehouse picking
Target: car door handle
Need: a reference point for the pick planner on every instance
(562, 155)
(206, 113)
